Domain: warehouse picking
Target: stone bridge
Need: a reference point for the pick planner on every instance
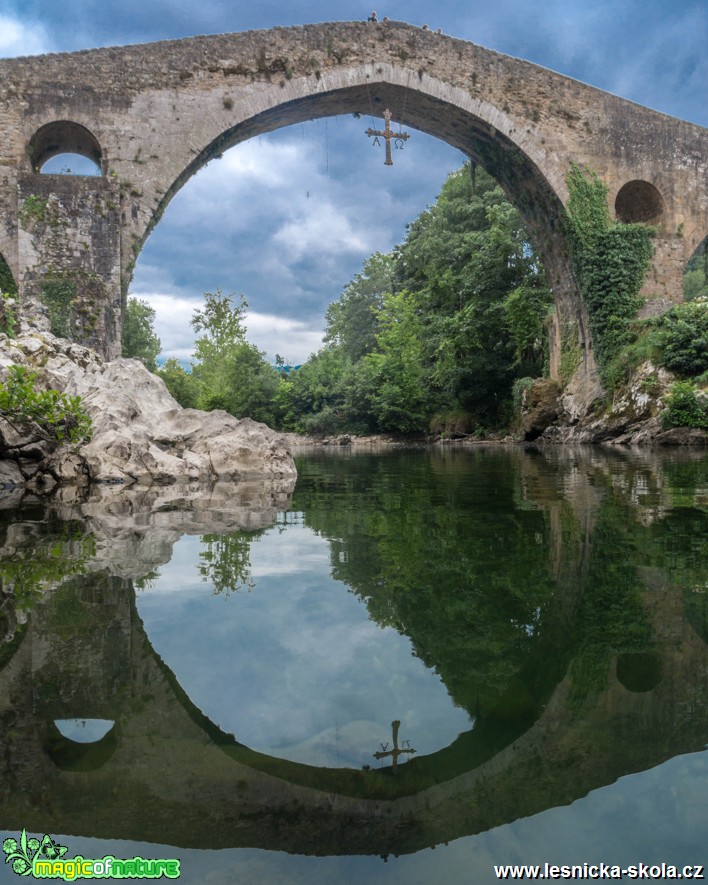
(151, 115)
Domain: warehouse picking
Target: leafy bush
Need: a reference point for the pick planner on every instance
(685, 407)
(60, 417)
(683, 337)
(180, 383)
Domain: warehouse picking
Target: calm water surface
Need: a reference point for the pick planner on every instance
(210, 677)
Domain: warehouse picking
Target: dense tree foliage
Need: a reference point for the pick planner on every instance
(441, 326)
(352, 320)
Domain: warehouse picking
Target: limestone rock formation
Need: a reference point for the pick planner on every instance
(540, 408)
(632, 417)
(141, 434)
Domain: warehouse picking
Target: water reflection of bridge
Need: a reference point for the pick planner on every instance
(167, 774)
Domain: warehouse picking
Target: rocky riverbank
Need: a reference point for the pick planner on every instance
(140, 433)
(631, 417)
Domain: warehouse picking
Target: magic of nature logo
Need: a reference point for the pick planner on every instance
(46, 859)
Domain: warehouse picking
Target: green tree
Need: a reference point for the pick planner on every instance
(478, 283)
(397, 370)
(253, 384)
(181, 384)
(311, 400)
(222, 323)
(352, 320)
(139, 339)
(229, 372)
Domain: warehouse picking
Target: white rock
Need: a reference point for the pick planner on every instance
(141, 434)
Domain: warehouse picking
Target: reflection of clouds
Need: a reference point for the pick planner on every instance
(340, 747)
(295, 667)
(287, 552)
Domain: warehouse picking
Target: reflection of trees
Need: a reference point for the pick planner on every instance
(36, 556)
(440, 555)
(225, 562)
(472, 565)
(613, 618)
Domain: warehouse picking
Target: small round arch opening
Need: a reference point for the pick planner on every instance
(639, 202)
(64, 138)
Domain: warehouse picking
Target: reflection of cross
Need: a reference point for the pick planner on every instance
(396, 751)
(388, 135)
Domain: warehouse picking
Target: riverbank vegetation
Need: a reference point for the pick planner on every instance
(447, 332)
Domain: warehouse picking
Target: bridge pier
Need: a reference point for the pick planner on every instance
(69, 249)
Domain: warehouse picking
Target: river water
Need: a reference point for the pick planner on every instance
(412, 667)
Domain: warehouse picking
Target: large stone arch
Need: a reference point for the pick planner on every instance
(480, 130)
(159, 111)
(490, 136)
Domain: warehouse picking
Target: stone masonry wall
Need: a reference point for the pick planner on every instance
(69, 257)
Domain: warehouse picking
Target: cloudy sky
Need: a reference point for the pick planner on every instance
(288, 218)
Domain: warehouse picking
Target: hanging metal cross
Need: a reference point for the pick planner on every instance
(388, 135)
(396, 751)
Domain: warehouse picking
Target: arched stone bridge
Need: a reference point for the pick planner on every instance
(152, 115)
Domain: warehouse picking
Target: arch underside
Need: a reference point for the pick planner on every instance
(523, 182)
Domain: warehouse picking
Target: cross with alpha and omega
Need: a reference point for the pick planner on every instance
(388, 135)
(396, 751)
